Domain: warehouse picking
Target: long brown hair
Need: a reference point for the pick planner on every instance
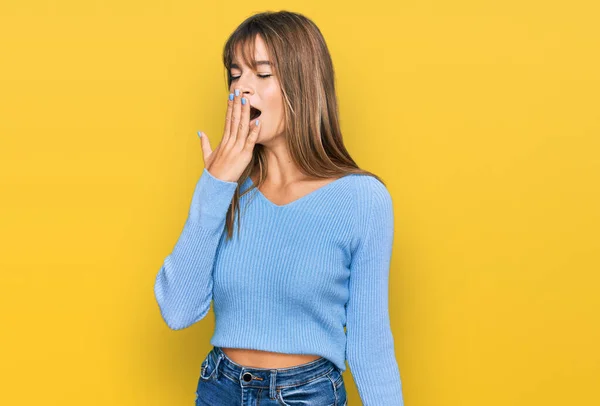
(303, 66)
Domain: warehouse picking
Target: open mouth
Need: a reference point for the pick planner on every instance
(254, 113)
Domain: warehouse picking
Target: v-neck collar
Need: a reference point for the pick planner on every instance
(306, 197)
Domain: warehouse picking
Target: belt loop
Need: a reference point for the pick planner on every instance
(272, 386)
(219, 358)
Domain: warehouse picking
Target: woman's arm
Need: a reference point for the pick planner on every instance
(370, 344)
(183, 286)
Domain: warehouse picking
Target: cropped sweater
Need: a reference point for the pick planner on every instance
(293, 278)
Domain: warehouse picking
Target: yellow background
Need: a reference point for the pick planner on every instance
(482, 117)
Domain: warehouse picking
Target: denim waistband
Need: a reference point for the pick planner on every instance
(273, 378)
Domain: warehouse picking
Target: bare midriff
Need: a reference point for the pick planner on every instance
(266, 359)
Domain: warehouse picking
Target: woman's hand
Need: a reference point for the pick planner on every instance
(233, 154)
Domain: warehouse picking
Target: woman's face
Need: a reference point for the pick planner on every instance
(262, 90)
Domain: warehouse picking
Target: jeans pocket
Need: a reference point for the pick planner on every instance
(318, 391)
(337, 377)
(209, 367)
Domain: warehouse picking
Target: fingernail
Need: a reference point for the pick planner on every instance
(237, 92)
(256, 123)
(243, 100)
(230, 96)
(200, 134)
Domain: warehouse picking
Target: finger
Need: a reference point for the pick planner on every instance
(244, 121)
(253, 136)
(237, 111)
(205, 145)
(228, 118)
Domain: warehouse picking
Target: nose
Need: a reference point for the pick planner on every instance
(245, 89)
(243, 83)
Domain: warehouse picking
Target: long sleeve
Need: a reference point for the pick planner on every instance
(370, 344)
(183, 286)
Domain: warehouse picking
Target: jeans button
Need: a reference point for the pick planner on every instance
(247, 377)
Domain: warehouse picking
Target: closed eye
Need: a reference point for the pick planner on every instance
(260, 76)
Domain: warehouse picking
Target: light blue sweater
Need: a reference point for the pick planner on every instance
(293, 278)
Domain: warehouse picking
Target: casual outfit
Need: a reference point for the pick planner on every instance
(291, 278)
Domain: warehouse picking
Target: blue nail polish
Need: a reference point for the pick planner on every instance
(257, 123)
(243, 100)
(230, 96)
(237, 92)
(200, 134)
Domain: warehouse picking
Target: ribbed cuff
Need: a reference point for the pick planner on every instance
(211, 200)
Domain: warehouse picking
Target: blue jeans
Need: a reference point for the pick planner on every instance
(223, 382)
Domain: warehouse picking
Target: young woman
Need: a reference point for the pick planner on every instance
(313, 245)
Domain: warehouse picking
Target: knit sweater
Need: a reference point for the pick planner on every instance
(293, 278)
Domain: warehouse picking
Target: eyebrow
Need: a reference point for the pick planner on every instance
(236, 66)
